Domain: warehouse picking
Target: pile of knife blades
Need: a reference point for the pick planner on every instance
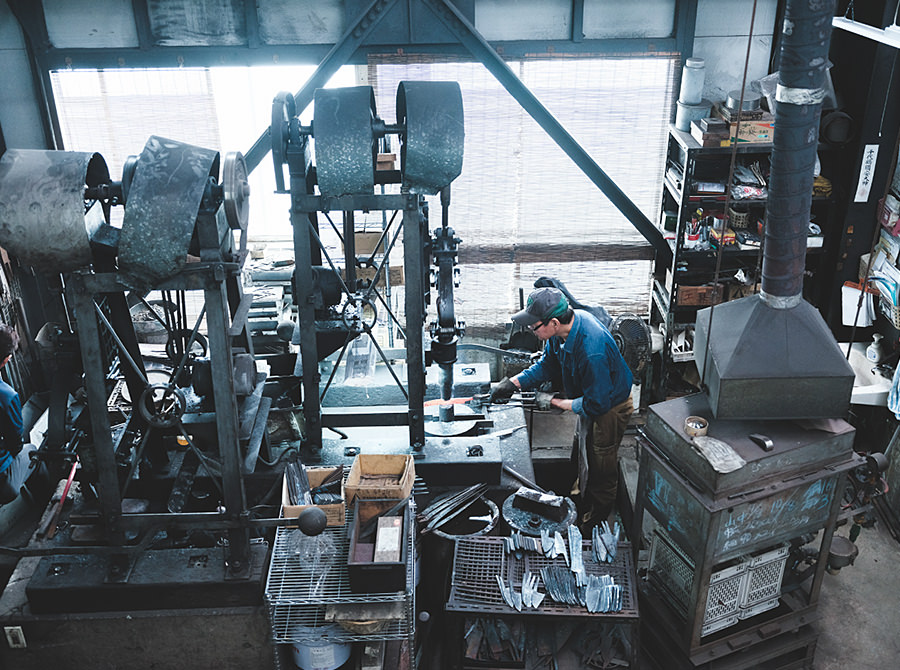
(554, 545)
(604, 542)
(449, 507)
(599, 593)
(528, 598)
(516, 543)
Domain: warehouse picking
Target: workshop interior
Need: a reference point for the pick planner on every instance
(312, 314)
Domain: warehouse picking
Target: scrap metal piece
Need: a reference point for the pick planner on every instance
(431, 149)
(164, 200)
(345, 142)
(42, 205)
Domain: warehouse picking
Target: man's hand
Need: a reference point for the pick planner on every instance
(503, 391)
(542, 400)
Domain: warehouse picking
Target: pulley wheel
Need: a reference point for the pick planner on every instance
(162, 406)
(128, 176)
(283, 110)
(163, 204)
(237, 191)
(359, 314)
(179, 339)
(42, 206)
(530, 523)
(236, 196)
(345, 142)
(431, 148)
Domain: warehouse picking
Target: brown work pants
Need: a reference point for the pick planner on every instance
(596, 454)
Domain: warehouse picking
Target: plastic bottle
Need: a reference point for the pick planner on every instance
(874, 352)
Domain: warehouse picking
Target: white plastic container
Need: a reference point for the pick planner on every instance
(693, 77)
(315, 648)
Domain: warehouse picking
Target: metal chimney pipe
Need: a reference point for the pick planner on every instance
(799, 96)
(772, 356)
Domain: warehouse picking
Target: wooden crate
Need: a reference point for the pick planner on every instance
(336, 514)
(380, 464)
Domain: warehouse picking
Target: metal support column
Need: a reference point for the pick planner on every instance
(226, 418)
(416, 263)
(301, 221)
(95, 385)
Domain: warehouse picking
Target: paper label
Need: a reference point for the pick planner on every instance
(866, 173)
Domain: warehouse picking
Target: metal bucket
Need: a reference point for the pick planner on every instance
(314, 650)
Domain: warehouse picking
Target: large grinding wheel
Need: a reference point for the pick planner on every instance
(163, 203)
(346, 147)
(42, 206)
(431, 151)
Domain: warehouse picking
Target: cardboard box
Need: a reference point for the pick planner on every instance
(397, 274)
(399, 468)
(750, 132)
(336, 514)
(365, 241)
(385, 161)
(707, 294)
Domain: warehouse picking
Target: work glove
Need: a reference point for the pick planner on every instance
(542, 400)
(503, 391)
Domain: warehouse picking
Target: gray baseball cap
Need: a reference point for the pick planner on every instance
(543, 304)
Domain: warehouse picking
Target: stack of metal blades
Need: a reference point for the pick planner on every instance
(605, 542)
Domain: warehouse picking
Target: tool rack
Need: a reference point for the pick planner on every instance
(297, 595)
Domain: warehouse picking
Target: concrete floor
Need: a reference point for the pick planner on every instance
(858, 607)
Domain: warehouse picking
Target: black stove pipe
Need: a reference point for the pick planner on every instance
(772, 356)
(801, 78)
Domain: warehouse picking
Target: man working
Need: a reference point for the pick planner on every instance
(581, 358)
(15, 461)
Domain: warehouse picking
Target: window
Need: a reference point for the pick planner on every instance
(521, 206)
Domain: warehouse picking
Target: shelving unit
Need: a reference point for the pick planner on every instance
(688, 163)
(298, 592)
